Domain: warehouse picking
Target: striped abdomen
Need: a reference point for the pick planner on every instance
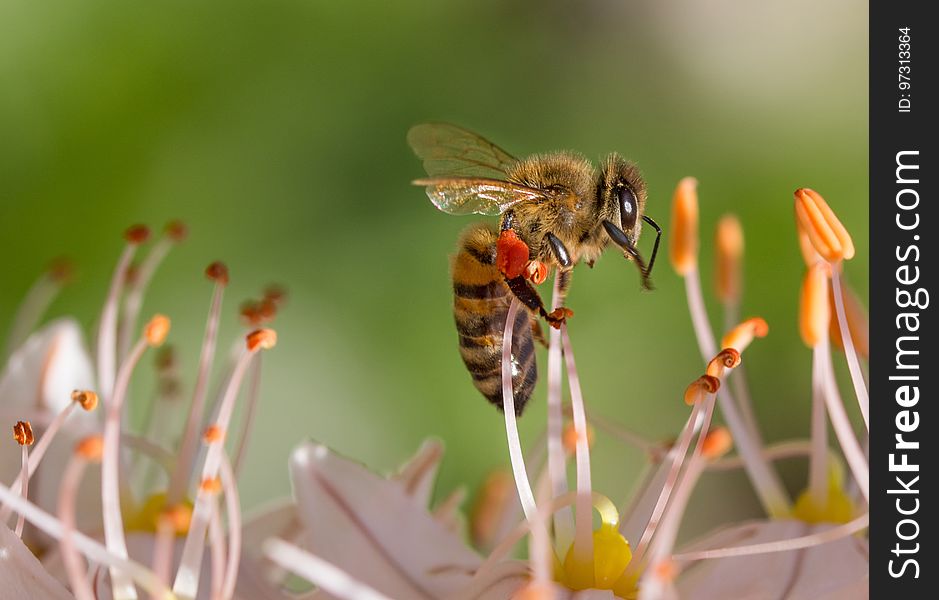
(481, 301)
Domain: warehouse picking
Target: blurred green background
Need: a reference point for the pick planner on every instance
(276, 130)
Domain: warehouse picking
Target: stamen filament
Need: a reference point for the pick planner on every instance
(583, 522)
(39, 450)
(180, 480)
(557, 462)
(217, 558)
(110, 472)
(68, 491)
(187, 575)
(233, 512)
(24, 471)
(319, 572)
(247, 421)
(853, 453)
(35, 304)
(818, 461)
(133, 299)
(107, 327)
(806, 541)
(764, 478)
(857, 377)
(525, 495)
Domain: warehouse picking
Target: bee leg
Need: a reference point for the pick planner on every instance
(527, 295)
(564, 283)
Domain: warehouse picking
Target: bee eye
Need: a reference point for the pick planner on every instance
(627, 208)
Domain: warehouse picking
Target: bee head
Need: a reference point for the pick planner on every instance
(623, 195)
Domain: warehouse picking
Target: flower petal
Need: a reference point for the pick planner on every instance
(37, 383)
(834, 570)
(419, 473)
(372, 529)
(22, 575)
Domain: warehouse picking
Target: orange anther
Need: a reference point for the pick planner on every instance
(729, 256)
(716, 443)
(213, 433)
(569, 438)
(137, 234)
(683, 248)
(740, 336)
(86, 398)
(23, 433)
(176, 230)
(217, 272)
(156, 330)
(261, 339)
(91, 448)
(706, 384)
(814, 310)
(828, 236)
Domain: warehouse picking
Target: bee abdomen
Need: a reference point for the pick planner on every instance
(480, 304)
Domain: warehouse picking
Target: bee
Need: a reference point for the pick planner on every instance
(555, 209)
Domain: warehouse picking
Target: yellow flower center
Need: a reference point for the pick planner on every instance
(837, 507)
(606, 569)
(147, 517)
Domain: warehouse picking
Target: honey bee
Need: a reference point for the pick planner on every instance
(556, 210)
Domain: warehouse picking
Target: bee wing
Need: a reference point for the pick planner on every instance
(476, 195)
(451, 151)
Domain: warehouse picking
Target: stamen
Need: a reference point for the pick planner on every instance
(488, 511)
(571, 438)
(557, 464)
(854, 367)
(814, 315)
(155, 332)
(797, 543)
(23, 434)
(254, 394)
(828, 236)
(728, 358)
(217, 557)
(233, 510)
(683, 247)
(525, 495)
(187, 576)
(174, 232)
(818, 460)
(700, 387)
(318, 572)
(36, 302)
(728, 266)
(742, 335)
(857, 322)
(262, 339)
(844, 431)
(581, 555)
(88, 450)
(717, 443)
(218, 273)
